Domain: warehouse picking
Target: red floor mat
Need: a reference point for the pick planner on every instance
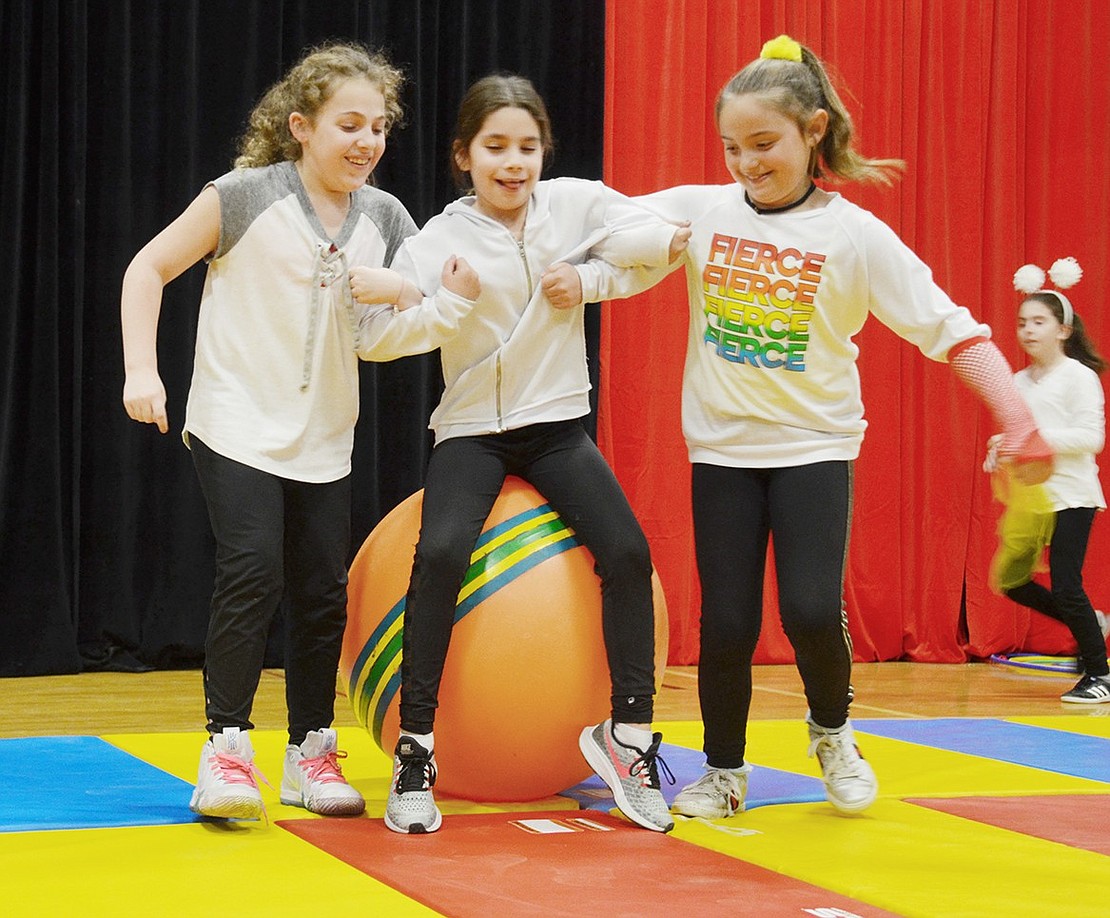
(1076, 820)
(562, 864)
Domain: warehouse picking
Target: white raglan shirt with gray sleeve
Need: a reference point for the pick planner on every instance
(275, 378)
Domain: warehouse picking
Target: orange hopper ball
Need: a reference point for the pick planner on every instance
(526, 669)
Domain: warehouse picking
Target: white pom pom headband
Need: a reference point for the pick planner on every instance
(1064, 273)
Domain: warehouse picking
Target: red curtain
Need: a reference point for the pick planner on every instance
(1000, 110)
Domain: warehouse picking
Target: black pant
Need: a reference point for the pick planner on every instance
(274, 536)
(808, 511)
(1067, 601)
(465, 476)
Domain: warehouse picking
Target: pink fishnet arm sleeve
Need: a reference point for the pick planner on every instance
(980, 364)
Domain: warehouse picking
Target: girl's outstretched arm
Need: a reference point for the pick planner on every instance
(388, 332)
(980, 365)
(382, 286)
(562, 284)
(179, 246)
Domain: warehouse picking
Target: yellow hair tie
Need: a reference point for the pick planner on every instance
(783, 48)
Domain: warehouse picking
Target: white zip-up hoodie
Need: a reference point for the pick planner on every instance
(517, 360)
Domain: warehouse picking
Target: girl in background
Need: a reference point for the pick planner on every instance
(1062, 388)
(274, 397)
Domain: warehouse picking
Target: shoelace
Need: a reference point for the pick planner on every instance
(324, 768)
(646, 766)
(417, 773)
(838, 757)
(722, 782)
(234, 770)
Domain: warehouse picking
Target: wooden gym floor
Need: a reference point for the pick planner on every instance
(168, 702)
(994, 802)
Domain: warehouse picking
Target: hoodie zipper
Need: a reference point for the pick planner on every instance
(497, 393)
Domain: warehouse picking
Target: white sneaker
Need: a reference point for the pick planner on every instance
(226, 787)
(850, 783)
(411, 808)
(717, 794)
(314, 780)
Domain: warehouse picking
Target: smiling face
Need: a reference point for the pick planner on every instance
(1040, 333)
(342, 144)
(766, 151)
(504, 160)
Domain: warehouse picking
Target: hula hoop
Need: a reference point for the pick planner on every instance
(1037, 662)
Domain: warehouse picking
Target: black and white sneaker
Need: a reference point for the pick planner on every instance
(410, 808)
(1089, 690)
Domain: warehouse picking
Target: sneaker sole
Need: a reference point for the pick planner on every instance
(700, 813)
(238, 808)
(1068, 700)
(350, 807)
(416, 828)
(853, 808)
(600, 763)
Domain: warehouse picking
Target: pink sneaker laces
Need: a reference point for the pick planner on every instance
(234, 770)
(324, 768)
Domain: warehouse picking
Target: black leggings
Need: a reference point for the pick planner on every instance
(808, 511)
(465, 475)
(1067, 601)
(274, 537)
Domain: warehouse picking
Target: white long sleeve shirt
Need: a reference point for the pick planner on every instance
(1069, 406)
(775, 301)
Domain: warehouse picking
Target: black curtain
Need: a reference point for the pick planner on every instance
(116, 114)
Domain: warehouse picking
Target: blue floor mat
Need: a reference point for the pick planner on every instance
(1058, 751)
(766, 786)
(82, 782)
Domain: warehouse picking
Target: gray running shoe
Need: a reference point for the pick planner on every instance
(631, 773)
(717, 794)
(850, 782)
(411, 808)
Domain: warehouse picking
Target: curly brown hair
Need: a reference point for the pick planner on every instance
(306, 88)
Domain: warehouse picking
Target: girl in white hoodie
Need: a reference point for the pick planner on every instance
(516, 387)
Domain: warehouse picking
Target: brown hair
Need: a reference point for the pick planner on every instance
(1077, 345)
(798, 90)
(306, 88)
(482, 99)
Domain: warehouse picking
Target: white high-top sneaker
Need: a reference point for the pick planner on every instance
(850, 783)
(313, 779)
(226, 787)
(717, 794)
